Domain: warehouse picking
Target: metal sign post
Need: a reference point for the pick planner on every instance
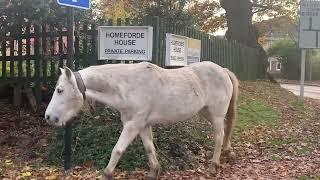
(68, 128)
(308, 33)
(71, 4)
(303, 68)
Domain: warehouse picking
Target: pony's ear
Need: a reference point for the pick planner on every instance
(61, 70)
(68, 72)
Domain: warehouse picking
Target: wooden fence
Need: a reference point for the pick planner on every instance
(33, 54)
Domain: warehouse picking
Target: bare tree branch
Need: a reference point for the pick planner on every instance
(259, 10)
(262, 6)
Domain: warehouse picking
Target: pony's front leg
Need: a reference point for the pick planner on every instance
(147, 140)
(129, 132)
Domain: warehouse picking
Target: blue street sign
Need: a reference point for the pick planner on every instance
(82, 4)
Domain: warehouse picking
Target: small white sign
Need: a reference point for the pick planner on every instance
(176, 50)
(194, 50)
(125, 43)
(309, 31)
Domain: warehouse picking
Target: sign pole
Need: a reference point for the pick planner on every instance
(68, 127)
(302, 77)
(70, 4)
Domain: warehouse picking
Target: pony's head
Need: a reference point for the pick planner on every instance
(66, 101)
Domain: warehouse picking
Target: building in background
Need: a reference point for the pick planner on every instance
(272, 30)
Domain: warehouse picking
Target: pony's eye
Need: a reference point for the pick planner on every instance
(59, 90)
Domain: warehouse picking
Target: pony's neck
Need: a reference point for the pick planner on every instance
(98, 89)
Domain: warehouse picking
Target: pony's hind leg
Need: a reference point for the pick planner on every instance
(227, 149)
(147, 140)
(218, 124)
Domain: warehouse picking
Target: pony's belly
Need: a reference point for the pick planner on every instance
(167, 115)
(158, 119)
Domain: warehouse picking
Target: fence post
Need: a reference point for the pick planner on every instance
(4, 58)
(44, 52)
(238, 59)
(28, 53)
(60, 44)
(52, 60)
(11, 57)
(20, 54)
(77, 47)
(156, 41)
(119, 23)
(85, 60)
(94, 34)
(37, 64)
(206, 49)
(162, 43)
(211, 50)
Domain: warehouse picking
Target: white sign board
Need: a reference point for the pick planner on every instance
(194, 50)
(309, 24)
(176, 50)
(125, 43)
(181, 50)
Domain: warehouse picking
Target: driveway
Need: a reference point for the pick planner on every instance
(309, 91)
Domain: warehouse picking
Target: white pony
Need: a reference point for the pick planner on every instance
(146, 94)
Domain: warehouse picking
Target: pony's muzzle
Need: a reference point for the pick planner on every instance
(51, 120)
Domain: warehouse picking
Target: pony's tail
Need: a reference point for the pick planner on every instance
(232, 110)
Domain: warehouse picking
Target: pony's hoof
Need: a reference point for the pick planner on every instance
(153, 174)
(214, 168)
(230, 156)
(107, 177)
(150, 178)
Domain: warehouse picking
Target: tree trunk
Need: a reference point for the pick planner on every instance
(239, 21)
(240, 29)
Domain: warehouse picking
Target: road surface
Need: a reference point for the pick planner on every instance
(309, 91)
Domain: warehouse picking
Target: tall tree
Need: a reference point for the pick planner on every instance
(275, 8)
(239, 21)
(278, 27)
(173, 10)
(112, 9)
(207, 15)
(239, 16)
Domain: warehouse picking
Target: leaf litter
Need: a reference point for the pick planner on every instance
(288, 149)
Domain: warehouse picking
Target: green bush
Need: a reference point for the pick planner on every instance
(288, 52)
(47, 59)
(15, 69)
